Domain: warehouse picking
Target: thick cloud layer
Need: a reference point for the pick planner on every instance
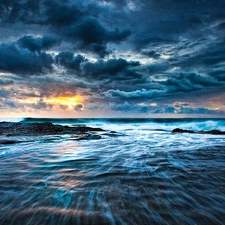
(140, 57)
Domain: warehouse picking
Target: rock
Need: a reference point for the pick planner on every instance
(211, 132)
(95, 137)
(87, 137)
(8, 141)
(178, 130)
(111, 134)
(86, 129)
(34, 129)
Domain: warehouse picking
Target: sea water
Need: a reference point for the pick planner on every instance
(143, 174)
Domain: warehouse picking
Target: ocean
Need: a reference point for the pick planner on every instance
(143, 174)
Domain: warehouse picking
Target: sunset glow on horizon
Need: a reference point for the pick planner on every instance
(70, 101)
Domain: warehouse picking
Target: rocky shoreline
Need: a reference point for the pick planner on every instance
(10, 132)
(32, 129)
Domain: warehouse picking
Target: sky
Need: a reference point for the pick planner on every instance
(112, 58)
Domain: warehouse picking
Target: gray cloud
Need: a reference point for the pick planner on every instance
(138, 94)
(186, 110)
(78, 107)
(40, 105)
(4, 93)
(6, 82)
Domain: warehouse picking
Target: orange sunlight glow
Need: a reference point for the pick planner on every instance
(70, 101)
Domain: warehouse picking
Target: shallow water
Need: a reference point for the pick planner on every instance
(141, 176)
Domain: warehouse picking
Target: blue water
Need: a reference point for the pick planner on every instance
(143, 175)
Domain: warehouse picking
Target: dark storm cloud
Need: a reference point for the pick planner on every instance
(24, 11)
(207, 57)
(219, 73)
(21, 60)
(119, 3)
(189, 83)
(138, 94)
(69, 61)
(92, 36)
(151, 54)
(173, 84)
(106, 68)
(157, 68)
(68, 19)
(62, 13)
(167, 22)
(38, 44)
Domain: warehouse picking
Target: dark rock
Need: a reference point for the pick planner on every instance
(34, 129)
(211, 132)
(86, 129)
(178, 130)
(113, 132)
(95, 137)
(8, 141)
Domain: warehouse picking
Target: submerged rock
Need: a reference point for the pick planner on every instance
(112, 134)
(211, 132)
(87, 137)
(178, 130)
(8, 141)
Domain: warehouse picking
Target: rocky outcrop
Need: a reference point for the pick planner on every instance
(8, 141)
(211, 132)
(34, 129)
(178, 130)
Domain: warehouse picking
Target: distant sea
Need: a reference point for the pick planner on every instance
(142, 175)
